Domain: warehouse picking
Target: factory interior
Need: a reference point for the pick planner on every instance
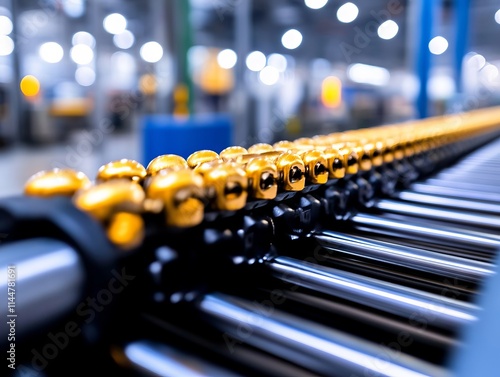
(279, 188)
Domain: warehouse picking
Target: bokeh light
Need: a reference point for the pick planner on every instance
(30, 86)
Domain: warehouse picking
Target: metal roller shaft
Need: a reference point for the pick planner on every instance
(378, 294)
(445, 235)
(415, 258)
(156, 359)
(485, 221)
(319, 348)
(454, 192)
(48, 283)
(442, 201)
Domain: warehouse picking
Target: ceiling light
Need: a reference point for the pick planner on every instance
(315, 4)
(227, 58)
(82, 37)
(388, 29)
(291, 39)
(255, 61)
(124, 40)
(438, 45)
(74, 8)
(115, 23)
(347, 13)
(269, 76)
(85, 76)
(151, 52)
(6, 25)
(51, 52)
(6, 45)
(277, 61)
(476, 61)
(369, 74)
(81, 54)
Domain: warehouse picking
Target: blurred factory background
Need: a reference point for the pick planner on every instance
(83, 82)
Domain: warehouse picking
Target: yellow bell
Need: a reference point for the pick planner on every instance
(56, 182)
(123, 168)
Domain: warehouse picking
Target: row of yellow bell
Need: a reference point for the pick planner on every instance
(124, 189)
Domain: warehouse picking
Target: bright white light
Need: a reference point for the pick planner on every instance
(440, 87)
(497, 16)
(84, 38)
(476, 61)
(438, 45)
(256, 60)
(369, 74)
(81, 54)
(388, 29)
(115, 23)
(74, 8)
(5, 25)
(291, 39)
(347, 13)
(315, 4)
(51, 52)
(124, 40)
(85, 76)
(277, 61)
(6, 45)
(269, 75)
(489, 72)
(227, 58)
(151, 52)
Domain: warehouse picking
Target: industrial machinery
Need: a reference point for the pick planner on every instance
(371, 252)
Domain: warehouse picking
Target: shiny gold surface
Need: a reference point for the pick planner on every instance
(227, 186)
(262, 178)
(198, 158)
(284, 145)
(56, 182)
(335, 163)
(351, 161)
(260, 148)
(315, 164)
(232, 153)
(129, 169)
(126, 230)
(166, 162)
(103, 200)
(181, 193)
(292, 172)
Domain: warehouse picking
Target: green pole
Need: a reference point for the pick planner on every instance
(185, 43)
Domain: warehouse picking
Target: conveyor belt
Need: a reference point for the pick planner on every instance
(345, 277)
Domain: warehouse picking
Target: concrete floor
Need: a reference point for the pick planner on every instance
(83, 152)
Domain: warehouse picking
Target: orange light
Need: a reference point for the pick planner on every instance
(331, 92)
(214, 79)
(30, 86)
(148, 84)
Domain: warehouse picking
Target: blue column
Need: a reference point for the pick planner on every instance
(462, 33)
(423, 55)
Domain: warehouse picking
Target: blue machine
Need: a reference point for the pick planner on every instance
(168, 134)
